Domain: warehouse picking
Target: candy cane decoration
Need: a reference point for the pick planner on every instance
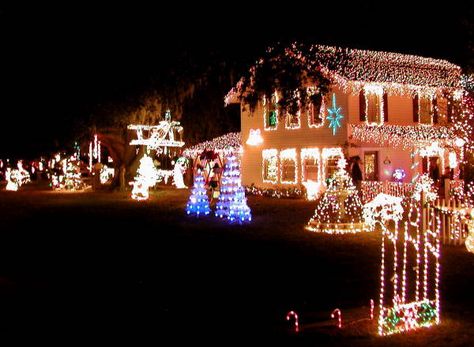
(295, 316)
(371, 309)
(339, 317)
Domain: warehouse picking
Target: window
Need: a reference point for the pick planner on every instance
(425, 110)
(442, 105)
(310, 164)
(270, 113)
(371, 166)
(373, 108)
(270, 165)
(330, 158)
(373, 105)
(316, 111)
(293, 121)
(288, 168)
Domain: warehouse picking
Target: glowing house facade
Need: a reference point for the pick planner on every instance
(396, 112)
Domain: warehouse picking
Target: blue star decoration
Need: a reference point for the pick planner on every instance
(334, 116)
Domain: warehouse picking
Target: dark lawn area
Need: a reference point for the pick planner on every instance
(98, 266)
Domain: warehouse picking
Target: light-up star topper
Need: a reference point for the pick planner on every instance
(334, 115)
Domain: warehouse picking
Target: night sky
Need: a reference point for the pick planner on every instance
(59, 63)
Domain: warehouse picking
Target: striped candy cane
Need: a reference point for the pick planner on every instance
(295, 316)
(339, 317)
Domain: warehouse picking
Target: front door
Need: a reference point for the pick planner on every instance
(371, 166)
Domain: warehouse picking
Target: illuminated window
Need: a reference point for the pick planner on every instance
(442, 109)
(270, 112)
(316, 110)
(425, 110)
(310, 164)
(374, 102)
(270, 165)
(288, 168)
(371, 166)
(293, 121)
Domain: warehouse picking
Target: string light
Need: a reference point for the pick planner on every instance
(231, 142)
(294, 315)
(166, 134)
(291, 192)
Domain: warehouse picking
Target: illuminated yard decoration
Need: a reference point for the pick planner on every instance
(232, 202)
(198, 203)
(470, 238)
(17, 177)
(255, 138)
(409, 272)
(334, 116)
(147, 176)
(66, 174)
(178, 171)
(339, 209)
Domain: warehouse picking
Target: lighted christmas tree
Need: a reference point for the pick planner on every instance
(339, 209)
(198, 203)
(147, 176)
(232, 202)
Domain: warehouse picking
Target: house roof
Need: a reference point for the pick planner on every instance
(352, 68)
(386, 67)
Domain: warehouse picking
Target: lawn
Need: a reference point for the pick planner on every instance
(98, 266)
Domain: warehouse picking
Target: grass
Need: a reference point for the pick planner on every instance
(98, 265)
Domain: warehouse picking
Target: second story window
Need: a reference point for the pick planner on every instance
(315, 111)
(423, 109)
(373, 105)
(270, 112)
(293, 121)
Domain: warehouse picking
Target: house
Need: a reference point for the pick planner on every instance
(396, 112)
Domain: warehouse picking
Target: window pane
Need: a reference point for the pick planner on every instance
(373, 108)
(425, 110)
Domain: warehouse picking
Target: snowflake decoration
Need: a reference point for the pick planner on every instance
(334, 115)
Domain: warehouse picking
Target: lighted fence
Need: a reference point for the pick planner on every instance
(453, 220)
(410, 268)
(370, 189)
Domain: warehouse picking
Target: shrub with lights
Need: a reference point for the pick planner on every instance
(339, 210)
(232, 202)
(147, 176)
(66, 174)
(198, 203)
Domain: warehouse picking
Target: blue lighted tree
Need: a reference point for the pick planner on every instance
(232, 202)
(198, 203)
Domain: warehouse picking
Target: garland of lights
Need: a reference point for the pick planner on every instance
(291, 192)
(405, 136)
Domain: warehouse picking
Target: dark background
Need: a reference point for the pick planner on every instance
(59, 64)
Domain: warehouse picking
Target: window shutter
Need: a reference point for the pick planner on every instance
(435, 111)
(385, 107)
(362, 115)
(416, 116)
(450, 111)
